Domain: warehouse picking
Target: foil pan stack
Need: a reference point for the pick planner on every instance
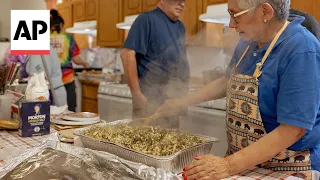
(173, 163)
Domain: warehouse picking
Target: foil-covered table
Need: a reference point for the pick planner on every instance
(15, 149)
(11, 142)
(92, 164)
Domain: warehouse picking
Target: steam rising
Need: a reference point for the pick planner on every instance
(160, 84)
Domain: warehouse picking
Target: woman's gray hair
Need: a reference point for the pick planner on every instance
(281, 7)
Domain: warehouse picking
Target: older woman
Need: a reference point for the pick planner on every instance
(272, 87)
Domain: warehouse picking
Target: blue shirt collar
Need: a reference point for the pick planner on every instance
(293, 28)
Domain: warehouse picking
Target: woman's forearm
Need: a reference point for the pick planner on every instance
(265, 148)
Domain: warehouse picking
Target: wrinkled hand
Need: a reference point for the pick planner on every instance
(139, 100)
(207, 167)
(171, 107)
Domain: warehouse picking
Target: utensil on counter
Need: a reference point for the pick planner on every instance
(7, 76)
(211, 75)
(9, 124)
(14, 73)
(81, 117)
(11, 71)
(4, 71)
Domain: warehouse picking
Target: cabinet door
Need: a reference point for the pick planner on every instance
(190, 19)
(194, 27)
(81, 40)
(149, 5)
(89, 105)
(91, 9)
(65, 9)
(214, 35)
(316, 10)
(89, 91)
(79, 10)
(305, 6)
(132, 7)
(109, 14)
(308, 6)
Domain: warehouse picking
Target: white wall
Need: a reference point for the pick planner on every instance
(202, 59)
(28, 4)
(7, 5)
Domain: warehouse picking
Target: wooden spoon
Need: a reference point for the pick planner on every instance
(145, 121)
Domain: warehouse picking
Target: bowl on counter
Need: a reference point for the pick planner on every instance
(95, 76)
(211, 75)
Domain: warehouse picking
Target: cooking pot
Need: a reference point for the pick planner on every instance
(211, 75)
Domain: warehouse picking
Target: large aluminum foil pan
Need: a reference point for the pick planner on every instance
(173, 163)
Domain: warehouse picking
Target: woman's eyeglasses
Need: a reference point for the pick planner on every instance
(236, 15)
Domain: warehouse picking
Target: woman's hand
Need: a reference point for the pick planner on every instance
(171, 107)
(207, 167)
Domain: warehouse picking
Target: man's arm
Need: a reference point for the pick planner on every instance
(129, 62)
(137, 42)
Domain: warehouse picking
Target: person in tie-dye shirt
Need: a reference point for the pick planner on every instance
(68, 52)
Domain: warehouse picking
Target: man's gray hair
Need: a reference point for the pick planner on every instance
(281, 7)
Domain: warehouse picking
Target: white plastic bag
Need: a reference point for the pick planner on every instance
(37, 88)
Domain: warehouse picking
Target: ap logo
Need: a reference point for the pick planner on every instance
(30, 32)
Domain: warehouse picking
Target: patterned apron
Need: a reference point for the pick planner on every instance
(245, 126)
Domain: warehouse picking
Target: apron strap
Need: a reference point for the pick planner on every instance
(242, 56)
(257, 73)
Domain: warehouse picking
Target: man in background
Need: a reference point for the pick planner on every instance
(155, 61)
(310, 22)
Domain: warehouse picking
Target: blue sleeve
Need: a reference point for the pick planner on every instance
(239, 50)
(299, 90)
(138, 37)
